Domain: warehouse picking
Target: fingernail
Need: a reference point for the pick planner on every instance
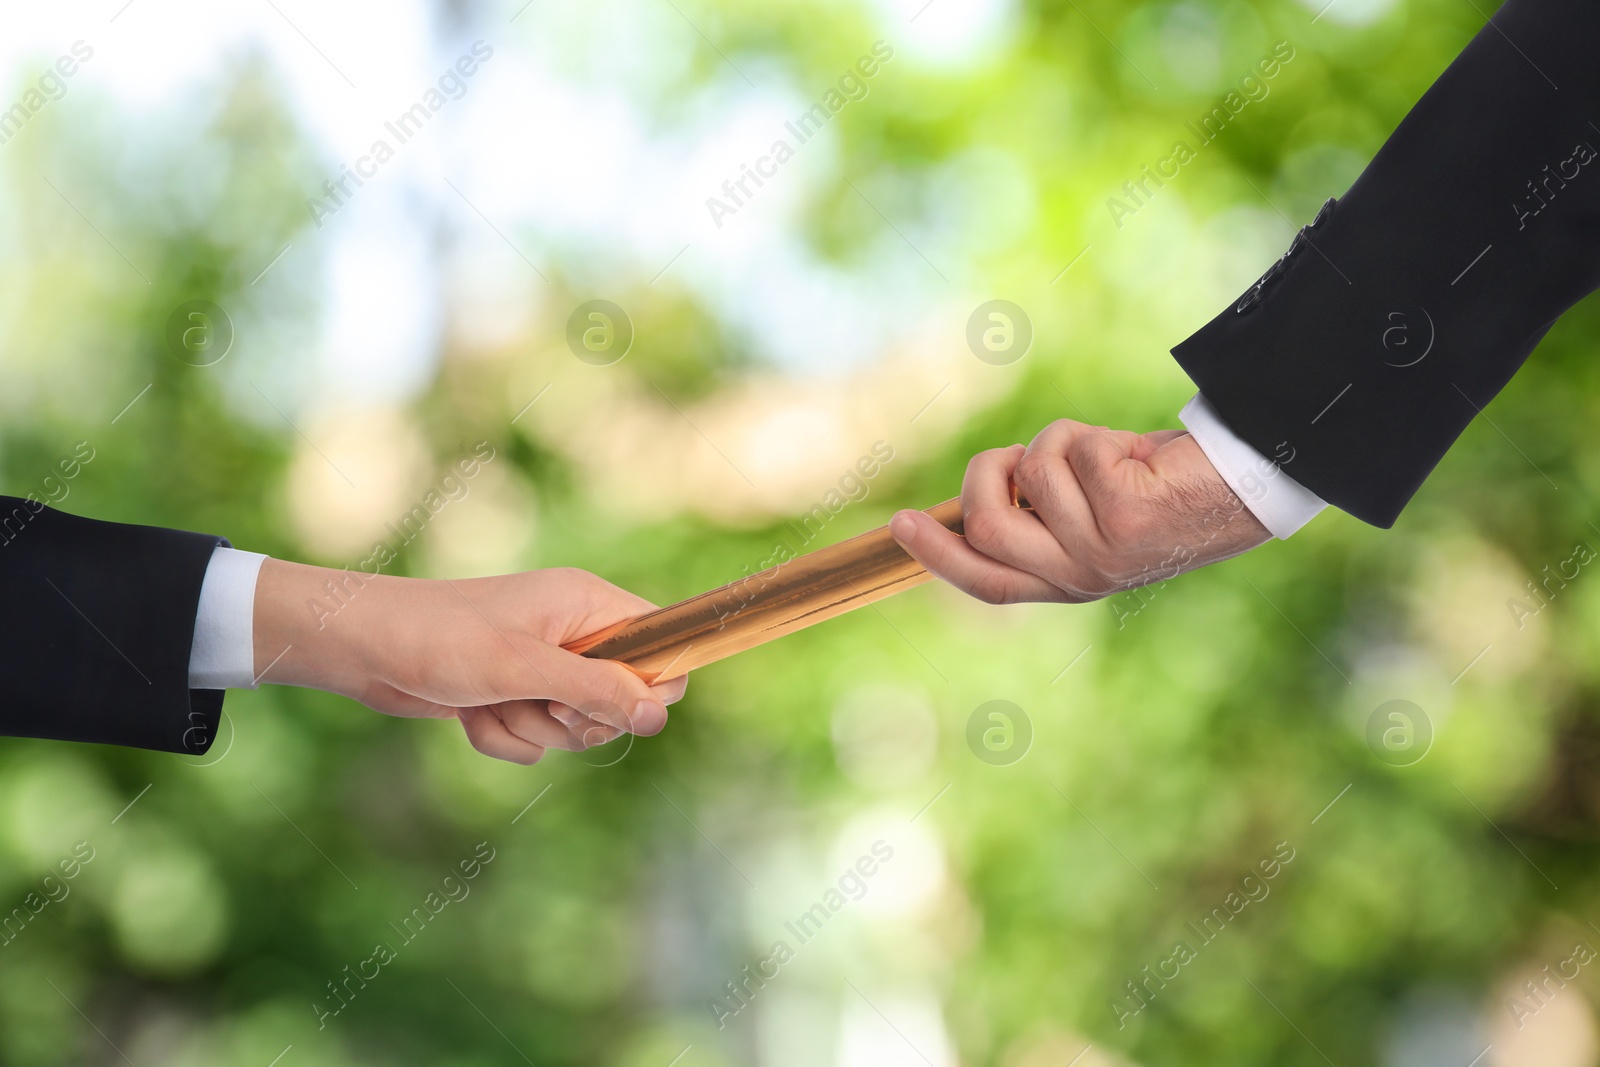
(649, 717)
(564, 715)
(902, 527)
(466, 714)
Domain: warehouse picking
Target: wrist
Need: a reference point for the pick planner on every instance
(321, 628)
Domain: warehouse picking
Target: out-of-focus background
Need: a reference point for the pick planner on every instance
(1333, 802)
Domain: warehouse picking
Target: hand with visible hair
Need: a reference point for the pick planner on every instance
(486, 651)
(1110, 510)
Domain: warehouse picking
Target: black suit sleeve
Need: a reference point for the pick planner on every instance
(98, 623)
(1474, 228)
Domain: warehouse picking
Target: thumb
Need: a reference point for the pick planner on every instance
(604, 691)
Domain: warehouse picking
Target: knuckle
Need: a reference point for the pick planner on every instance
(1084, 452)
(989, 457)
(574, 583)
(1032, 469)
(984, 529)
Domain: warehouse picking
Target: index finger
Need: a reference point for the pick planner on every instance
(994, 525)
(949, 557)
(1060, 490)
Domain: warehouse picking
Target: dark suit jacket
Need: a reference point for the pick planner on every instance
(96, 629)
(1474, 228)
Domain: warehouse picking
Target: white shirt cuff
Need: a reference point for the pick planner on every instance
(1282, 504)
(223, 655)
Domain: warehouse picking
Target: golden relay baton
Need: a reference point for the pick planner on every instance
(672, 641)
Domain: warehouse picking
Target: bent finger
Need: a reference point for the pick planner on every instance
(950, 558)
(490, 736)
(995, 527)
(1066, 491)
(604, 691)
(532, 721)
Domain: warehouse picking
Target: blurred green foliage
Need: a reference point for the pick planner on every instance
(1186, 743)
